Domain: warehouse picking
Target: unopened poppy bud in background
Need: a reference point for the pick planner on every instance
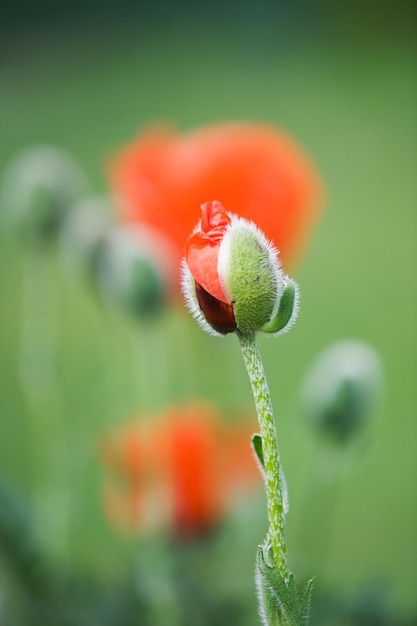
(134, 270)
(38, 188)
(232, 280)
(83, 234)
(342, 389)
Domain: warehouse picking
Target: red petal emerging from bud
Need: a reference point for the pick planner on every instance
(214, 221)
(202, 249)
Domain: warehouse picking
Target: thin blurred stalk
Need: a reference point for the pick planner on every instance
(37, 373)
(316, 523)
(39, 331)
(156, 574)
(342, 388)
(183, 355)
(152, 361)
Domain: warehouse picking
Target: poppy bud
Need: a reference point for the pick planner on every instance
(342, 389)
(38, 188)
(83, 235)
(232, 280)
(130, 273)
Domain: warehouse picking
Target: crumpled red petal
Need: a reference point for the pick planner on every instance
(202, 249)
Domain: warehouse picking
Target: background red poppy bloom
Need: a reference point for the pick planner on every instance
(125, 456)
(256, 171)
(178, 472)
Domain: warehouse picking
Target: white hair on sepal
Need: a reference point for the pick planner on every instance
(190, 297)
(258, 234)
(272, 263)
(274, 259)
(273, 252)
(296, 308)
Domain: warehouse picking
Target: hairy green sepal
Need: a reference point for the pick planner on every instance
(285, 309)
(251, 281)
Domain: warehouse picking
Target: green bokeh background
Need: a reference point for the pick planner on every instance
(343, 82)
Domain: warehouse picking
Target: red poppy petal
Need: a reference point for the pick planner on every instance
(219, 315)
(201, 256)
(214, 220)
(193, 453)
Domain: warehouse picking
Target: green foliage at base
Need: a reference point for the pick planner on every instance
(281, 603)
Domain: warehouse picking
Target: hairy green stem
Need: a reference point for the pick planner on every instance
(274, 491)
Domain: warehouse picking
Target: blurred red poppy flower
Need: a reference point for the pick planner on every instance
(179, 472)
(256, 171)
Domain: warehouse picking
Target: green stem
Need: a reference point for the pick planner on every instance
(274, 491)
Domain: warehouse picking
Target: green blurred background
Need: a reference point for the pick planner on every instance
(341, 78)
